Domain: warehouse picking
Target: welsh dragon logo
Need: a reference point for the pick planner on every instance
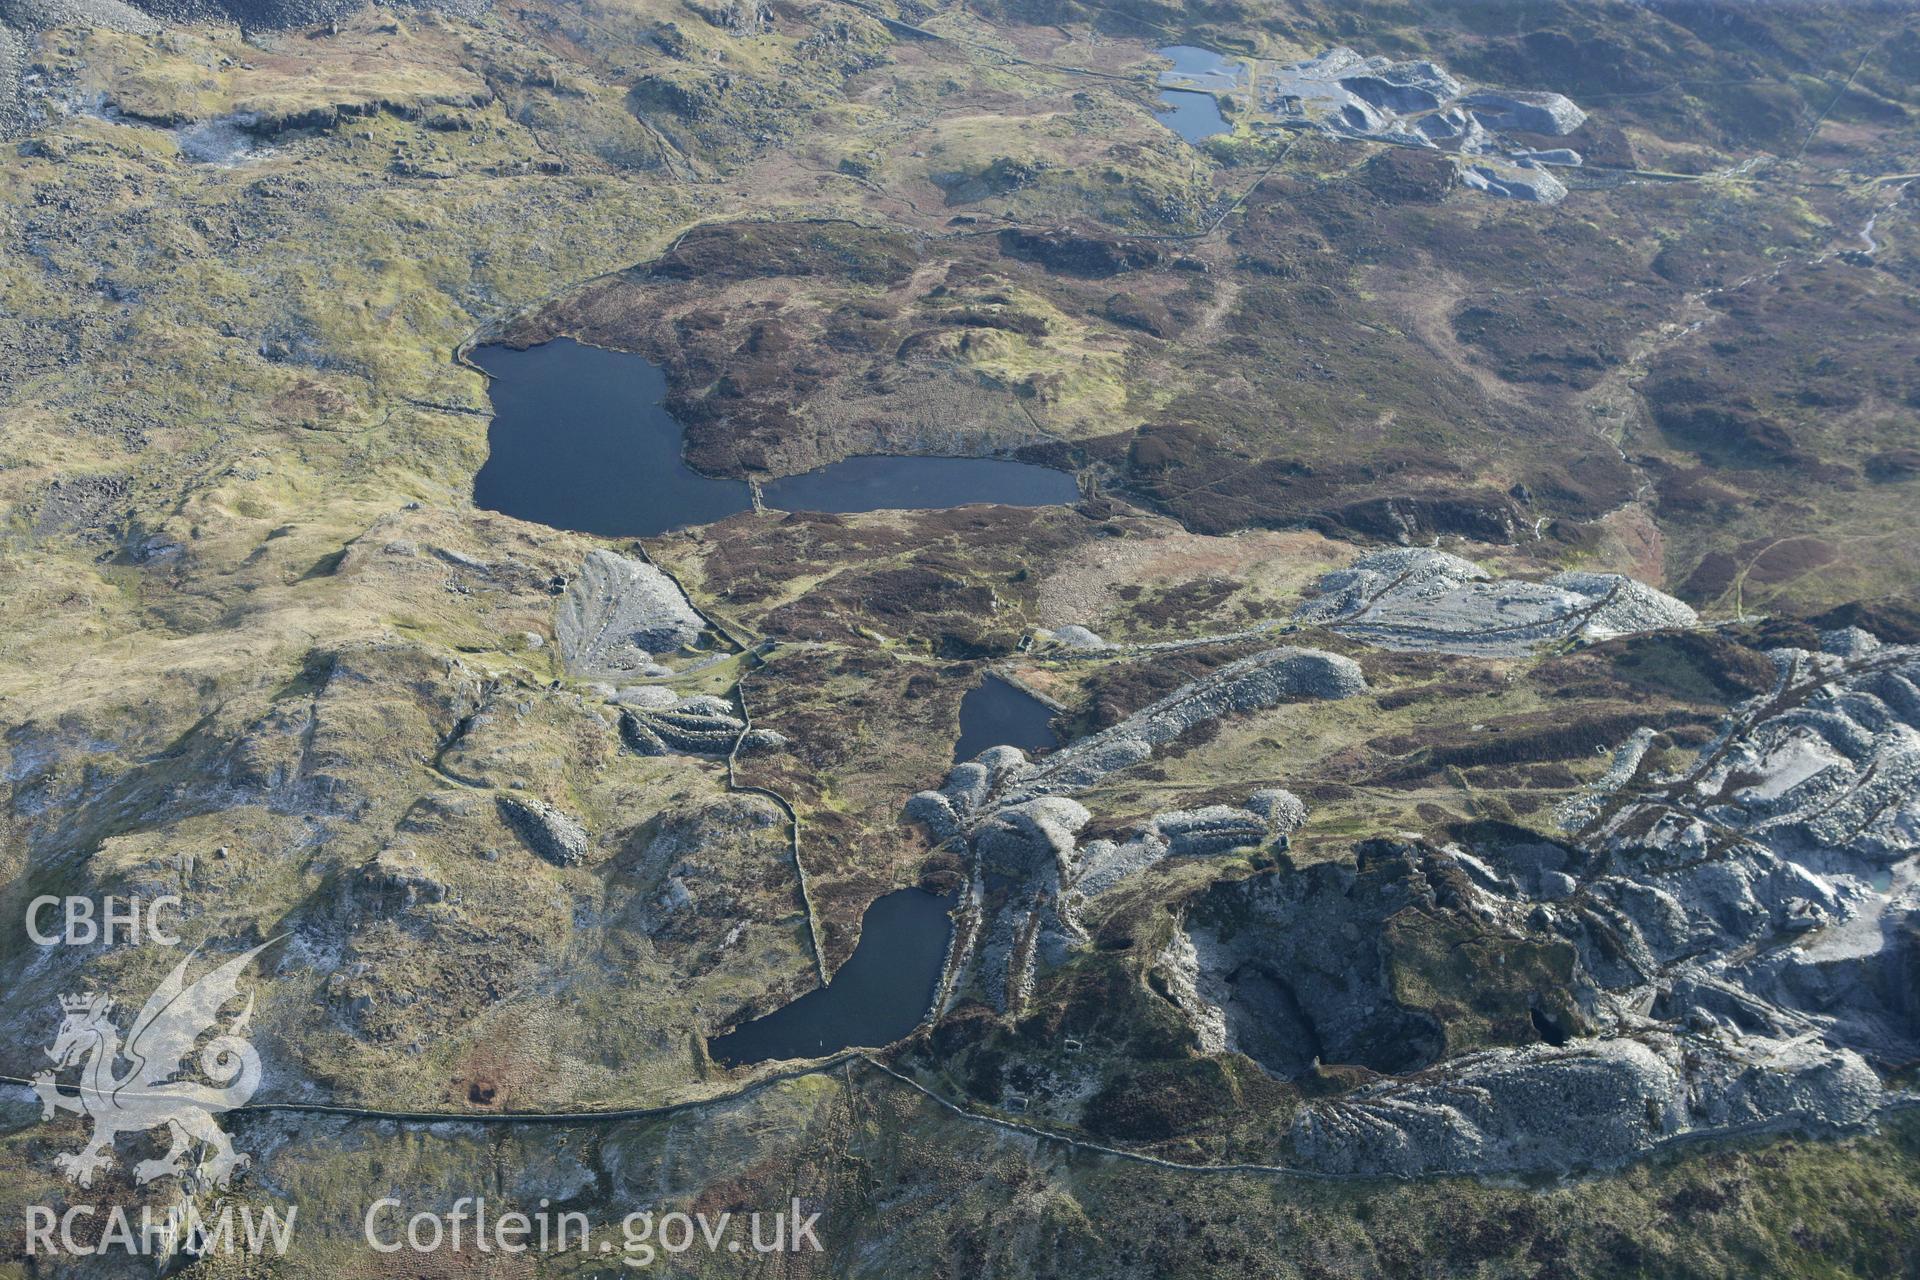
(150, 1094)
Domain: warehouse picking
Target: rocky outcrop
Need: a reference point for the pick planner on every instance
(1299, 965)
(1075, 636)
(1016, 817)
(617, 614)
(1772, 883)
(1422, 599)
(1003, 776)
(1208, 831)
(1546, 113)
(1724, 946)
(558, 837)
(1524, 180)
(1616, 1001)
(1284, 811)
(13, 65)
(395, 881)
(688, 865)
(1253, 683)
(1584, 1106)
(657, 722)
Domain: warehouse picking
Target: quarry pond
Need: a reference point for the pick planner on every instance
(581, 440)
(878, 996)
(1192, 113)
(995, 713)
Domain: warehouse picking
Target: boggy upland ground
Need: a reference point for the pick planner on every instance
(1538, 905)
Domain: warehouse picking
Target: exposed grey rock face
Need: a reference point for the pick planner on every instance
(1658, 1035)
(1284, 811)
(1077, 637)
(394, 881)
(1017, 819)
(1003, 776)
(556, 836)
(1514, 181)
(1180, 962)
(1744, 932)
(1774, 881)
(1416, 104)
(1212, 830)
(1548, 113)
(1253, 683)
(13, 65)
(1292, 964)
(1417, 598)
(617, 614)
(657, 722)
(1586, 1105)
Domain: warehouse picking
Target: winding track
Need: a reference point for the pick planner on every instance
(1892, 1104)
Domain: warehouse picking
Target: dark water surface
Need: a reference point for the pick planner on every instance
(1195, 61)
(873, 482)
(998, 714)
(1194, 115)
(879, 995)
(580, 440)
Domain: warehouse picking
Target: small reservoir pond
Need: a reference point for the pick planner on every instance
(879, 994)
(1194, 114)
(998, 714)
(581, 440)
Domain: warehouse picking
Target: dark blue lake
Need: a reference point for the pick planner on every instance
(872, 482)
(878, 996)
(580, 440)
(997, 714)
